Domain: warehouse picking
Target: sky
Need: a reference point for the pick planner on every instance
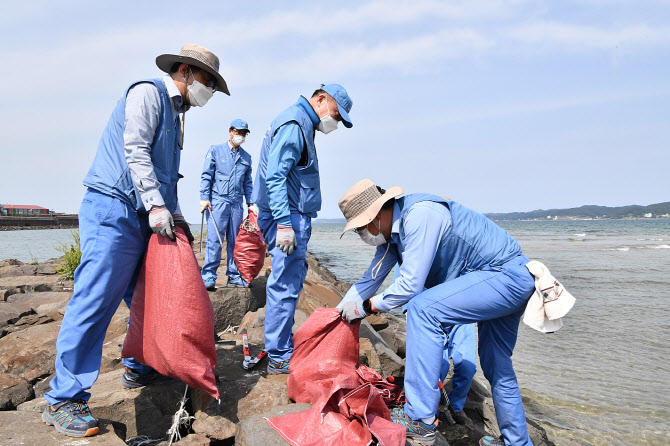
(502, 105)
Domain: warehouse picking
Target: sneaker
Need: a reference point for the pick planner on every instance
(416, 430)
(237, 282)
(460, 417)
(210, 283)
(490, 441)
(133, 380)
(278, 367)
(72, 418)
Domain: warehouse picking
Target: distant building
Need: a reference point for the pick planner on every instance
(22, 209)
(649, 215)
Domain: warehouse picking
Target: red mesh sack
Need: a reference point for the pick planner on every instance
(323, 372)
(249, 253)
(171, 325)
(391, 393)
(324, 346)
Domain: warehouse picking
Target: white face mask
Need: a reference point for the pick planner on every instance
(328, 123)
(198, 93)
(374, 240)
(238, 140)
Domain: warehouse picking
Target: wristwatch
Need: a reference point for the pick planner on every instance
(367, 306)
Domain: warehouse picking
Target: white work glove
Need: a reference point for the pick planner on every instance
(161, 222)
(204, 204)
(352, 311)
(253, 208)
(285, 239)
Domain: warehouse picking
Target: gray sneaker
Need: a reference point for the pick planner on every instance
(72, 418)
(278, 367)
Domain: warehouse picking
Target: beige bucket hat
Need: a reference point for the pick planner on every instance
(363, 201)
(197, 56)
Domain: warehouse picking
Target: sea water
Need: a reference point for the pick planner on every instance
(602, 379)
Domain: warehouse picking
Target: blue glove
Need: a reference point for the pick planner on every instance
(352, 311)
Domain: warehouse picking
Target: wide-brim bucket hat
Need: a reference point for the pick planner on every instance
(363, 201)
(197, 56)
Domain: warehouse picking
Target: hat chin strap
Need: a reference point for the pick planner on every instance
(375, 269)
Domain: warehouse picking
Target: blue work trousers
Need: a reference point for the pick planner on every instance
(284, 284)
(495, 298)
(113, 241)
(228, 218)
(462, 349)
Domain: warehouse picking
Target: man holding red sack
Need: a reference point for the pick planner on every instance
(132, 191)
(226, 177)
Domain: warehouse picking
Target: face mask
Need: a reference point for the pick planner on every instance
(328, 123)
(238, 140)
(374, 240)
(198, 93)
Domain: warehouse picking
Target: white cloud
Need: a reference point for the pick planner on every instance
(586, 38)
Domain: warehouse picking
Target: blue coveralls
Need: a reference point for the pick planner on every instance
(226, 177)
(460, 347)
(472, 271)
(114, 233)
(287, 191)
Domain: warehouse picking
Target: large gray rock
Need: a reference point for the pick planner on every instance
(230, 304)
(14, 391)
(390, 362)
(145, 411)
(256, 431)
(26, 428)
(29, 353)
(24, 284)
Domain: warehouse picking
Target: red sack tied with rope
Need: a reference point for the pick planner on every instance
(345, 409)
(249, 252)
(171, 327)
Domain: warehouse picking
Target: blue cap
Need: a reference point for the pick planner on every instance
(240, 125)
(343, 100)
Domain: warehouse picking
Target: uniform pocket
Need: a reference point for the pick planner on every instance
(310, 193)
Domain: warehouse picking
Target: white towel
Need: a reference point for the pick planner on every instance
(550, 301)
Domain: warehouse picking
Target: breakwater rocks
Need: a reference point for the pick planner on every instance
(13, 223)
(32, 303)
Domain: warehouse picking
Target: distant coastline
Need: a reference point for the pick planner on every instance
(17, 223)
(590, 212)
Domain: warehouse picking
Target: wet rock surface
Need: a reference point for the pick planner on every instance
(32, 303)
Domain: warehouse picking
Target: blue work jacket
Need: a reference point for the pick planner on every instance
(433, 244)
(110, 173)
(226, 175)
(287, 180)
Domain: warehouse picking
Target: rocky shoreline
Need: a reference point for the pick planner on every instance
(32, 304)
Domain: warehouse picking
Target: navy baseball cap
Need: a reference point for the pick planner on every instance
(240, 125)
(343, 100)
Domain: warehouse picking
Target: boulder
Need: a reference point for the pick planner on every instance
(23, 284)
(144, 411)
(14, 391)
(29, 353)
(390, 362)
(230, 304)
(27, 428)
(255, 431)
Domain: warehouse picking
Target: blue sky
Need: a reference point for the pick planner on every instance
(502, 105)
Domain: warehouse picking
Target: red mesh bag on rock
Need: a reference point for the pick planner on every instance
(171, 325)
(323, 372)
(324, 346)
(249, 253)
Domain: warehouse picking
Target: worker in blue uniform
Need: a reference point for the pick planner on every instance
(457, 267)
(132, 191)
(226, 177)
(287, 192)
